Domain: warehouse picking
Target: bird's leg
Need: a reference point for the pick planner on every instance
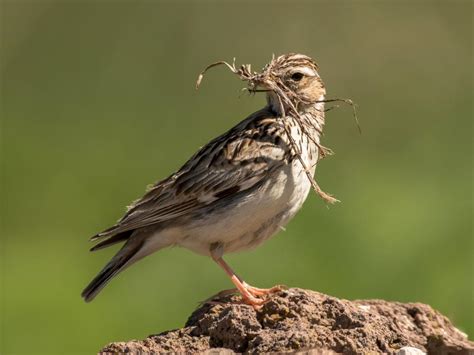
(249, 297)
(263, 291)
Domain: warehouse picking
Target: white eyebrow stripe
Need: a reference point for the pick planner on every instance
(298, 56)
(306, 71)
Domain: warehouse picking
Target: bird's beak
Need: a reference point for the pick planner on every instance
(264, 85)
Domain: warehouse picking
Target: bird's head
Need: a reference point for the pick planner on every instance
(292, 77)
(291, 81)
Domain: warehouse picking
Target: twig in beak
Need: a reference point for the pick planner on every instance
(325, 196)
(349, 102)
(201, 75)
(285, 98)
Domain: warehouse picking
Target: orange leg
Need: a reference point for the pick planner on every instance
(254, 296)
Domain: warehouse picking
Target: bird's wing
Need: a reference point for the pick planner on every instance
(233, 162)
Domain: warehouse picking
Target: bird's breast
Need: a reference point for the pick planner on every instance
(251, 217)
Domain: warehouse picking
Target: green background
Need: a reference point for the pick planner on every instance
(98, 101)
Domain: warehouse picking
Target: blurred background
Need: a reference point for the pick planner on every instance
(98, 101)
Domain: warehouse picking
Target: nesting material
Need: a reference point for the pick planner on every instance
(287, 98)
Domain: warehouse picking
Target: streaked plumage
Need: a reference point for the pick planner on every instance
(236, 191)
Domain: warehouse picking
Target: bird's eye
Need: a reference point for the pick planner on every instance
(297, 76)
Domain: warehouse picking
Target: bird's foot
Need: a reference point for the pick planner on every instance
(249, 297)
(266, 292)
(257, 297)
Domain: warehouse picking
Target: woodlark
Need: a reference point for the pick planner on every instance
(240, 188)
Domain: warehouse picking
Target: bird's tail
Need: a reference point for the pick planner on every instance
(124, 258)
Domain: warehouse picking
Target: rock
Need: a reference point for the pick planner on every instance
(307, 322)
(410, 350)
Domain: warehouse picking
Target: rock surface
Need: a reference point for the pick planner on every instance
(297, 320)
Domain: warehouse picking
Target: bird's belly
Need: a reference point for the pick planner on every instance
(252, 217)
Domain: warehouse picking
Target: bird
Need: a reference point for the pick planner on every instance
(239, 189)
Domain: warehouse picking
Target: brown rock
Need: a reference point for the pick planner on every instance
(303, 321)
